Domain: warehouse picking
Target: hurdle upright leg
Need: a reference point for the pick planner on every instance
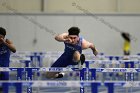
(18, 87)
(132, 74)
(110, 87)
(94, 86)
(29, 77)
(82, 79)
(5, 87)
(19, 77)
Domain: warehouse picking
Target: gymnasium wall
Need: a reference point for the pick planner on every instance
(35, 32)
(65, 6)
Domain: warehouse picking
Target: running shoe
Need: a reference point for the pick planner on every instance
(60, 75)
(82, 59)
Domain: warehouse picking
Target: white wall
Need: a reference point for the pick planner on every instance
(66, 6)
(21, 30)
(21, 5)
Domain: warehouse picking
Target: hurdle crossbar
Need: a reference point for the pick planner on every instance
(72, 83)
(54, 69)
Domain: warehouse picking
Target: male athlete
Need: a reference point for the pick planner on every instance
(74, 44)
(6, 46)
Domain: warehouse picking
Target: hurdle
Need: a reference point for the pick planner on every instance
(29, 71)
(36, 57)
(109, 85)
(129, 72)
(127, 64)
(94, 84)
(35, 61)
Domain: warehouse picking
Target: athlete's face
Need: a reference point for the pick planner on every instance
(73, 39)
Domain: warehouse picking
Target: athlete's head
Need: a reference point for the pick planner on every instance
(126, 36)
(74, 31)
(73, 34)
(2, 34)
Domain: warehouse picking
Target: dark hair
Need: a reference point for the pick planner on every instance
(74, 31)
(126, 36)
(2, 31)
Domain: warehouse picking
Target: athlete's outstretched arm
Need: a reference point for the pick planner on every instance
(62, 37)
(9, 43)
(86, 45)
